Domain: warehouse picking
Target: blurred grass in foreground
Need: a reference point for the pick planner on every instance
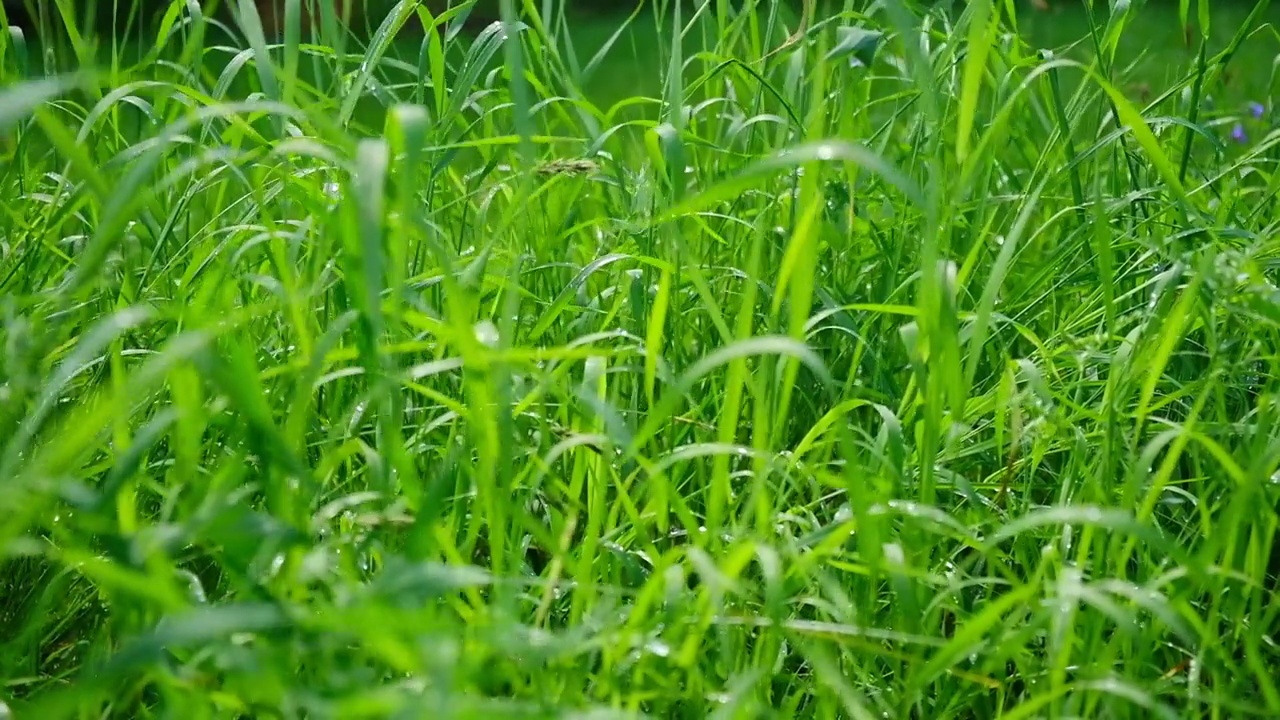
(907, 372)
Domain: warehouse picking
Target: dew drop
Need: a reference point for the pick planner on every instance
(487, 333)
(657, 647)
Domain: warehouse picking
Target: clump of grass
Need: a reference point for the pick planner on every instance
(906, 372)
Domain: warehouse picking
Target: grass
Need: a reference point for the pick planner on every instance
(909, 372)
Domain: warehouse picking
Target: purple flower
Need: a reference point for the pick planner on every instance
(1237, 133)
(1256, 110)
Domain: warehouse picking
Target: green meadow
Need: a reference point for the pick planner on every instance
(661, 363)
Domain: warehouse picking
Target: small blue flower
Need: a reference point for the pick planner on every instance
(1238, 134)
(1257, 110)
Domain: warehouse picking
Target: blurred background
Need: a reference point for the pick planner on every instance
(634, 30)
(626, 42)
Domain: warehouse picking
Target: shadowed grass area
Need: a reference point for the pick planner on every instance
(907, 372)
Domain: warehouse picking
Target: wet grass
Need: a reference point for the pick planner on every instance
(909, 371)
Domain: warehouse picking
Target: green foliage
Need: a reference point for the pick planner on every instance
(544, 371)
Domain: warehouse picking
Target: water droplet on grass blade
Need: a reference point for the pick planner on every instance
(657, 647)
(487, 333)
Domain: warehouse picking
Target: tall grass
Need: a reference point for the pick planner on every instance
(906, 372)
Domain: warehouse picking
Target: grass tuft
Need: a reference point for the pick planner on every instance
(922, 363)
